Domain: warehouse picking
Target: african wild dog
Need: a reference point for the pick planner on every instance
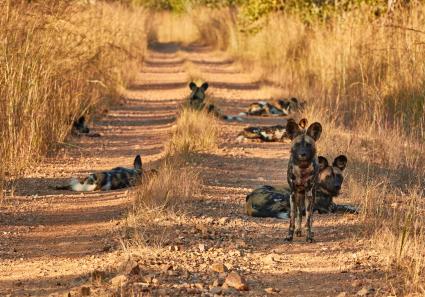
(197, 98)
(303, 169)
(268, 201)
(268, 133)
(116, 178)
(281, 107)
(79, 128)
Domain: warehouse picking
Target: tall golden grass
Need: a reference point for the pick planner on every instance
(363, 78)
(58, 61)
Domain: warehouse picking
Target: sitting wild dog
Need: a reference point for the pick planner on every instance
(281, 107)
(268, 201)
(303, 170)
(268, 133)
(116, 178)
(80, 128)
(197, 98)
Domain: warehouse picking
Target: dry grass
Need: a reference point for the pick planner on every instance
(160, 198)
(195, 131)
(59, 60)
(363, 78)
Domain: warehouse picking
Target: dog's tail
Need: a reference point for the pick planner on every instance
(77, 186)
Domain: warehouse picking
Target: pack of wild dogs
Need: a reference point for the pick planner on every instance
(312, 181)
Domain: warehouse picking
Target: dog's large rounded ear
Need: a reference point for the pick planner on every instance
(137, 163)
(204, 86)
(340, 162)
(323, 162)
(292, 129)
(192, 86)
(81, 120)
(314, 131)
(303, 123)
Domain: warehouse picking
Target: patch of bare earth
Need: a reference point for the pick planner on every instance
(52, 241)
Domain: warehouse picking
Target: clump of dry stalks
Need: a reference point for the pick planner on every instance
(58, 61)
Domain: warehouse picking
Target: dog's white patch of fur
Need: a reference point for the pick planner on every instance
(283, 215)
(79, 187)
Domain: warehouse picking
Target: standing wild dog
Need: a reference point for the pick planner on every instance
(268, 133)
(116, 178)
(268, 201)
(197, 98)
(303, 169)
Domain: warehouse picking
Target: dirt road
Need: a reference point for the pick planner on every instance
(50, 241)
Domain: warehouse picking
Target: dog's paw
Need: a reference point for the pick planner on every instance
(310, 239)
(288, 238)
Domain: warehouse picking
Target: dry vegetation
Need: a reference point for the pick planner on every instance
(194, 131)
(363, 78)
(59, 60)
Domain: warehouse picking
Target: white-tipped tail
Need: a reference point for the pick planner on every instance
(79, 187)
(283, 215)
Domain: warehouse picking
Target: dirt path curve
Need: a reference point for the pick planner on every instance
(50, 241)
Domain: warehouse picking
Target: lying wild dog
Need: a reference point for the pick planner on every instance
(268, 133)
(80, 128)
(268, 201)
(197, 98)
(116, 178)
(303, 170)
(281, 107)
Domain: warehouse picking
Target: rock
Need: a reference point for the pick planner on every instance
(215, 290)
(119, 280)
(166, 267)
(365, 291)
(223, 220)
(130, 267)
(230, 292)
(270, 290)
(236, 281)
(85, 291)
(218, 267)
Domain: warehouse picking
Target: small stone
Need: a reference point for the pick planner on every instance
(215, 290)
(270, 290)
(236, 281)
(85, 291)
(218, 267)
(365, 291)
(119, 280)
(223, 220)
(130, 267)
(201, 247)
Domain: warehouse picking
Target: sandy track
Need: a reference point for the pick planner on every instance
(50, 241)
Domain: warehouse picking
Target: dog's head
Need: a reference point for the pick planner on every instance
(198, 93)
(80, 125)
(303, 147)
(330, 177)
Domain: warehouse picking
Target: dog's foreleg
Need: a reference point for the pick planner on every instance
(293, 207)
(299, 218)
(310, 197)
